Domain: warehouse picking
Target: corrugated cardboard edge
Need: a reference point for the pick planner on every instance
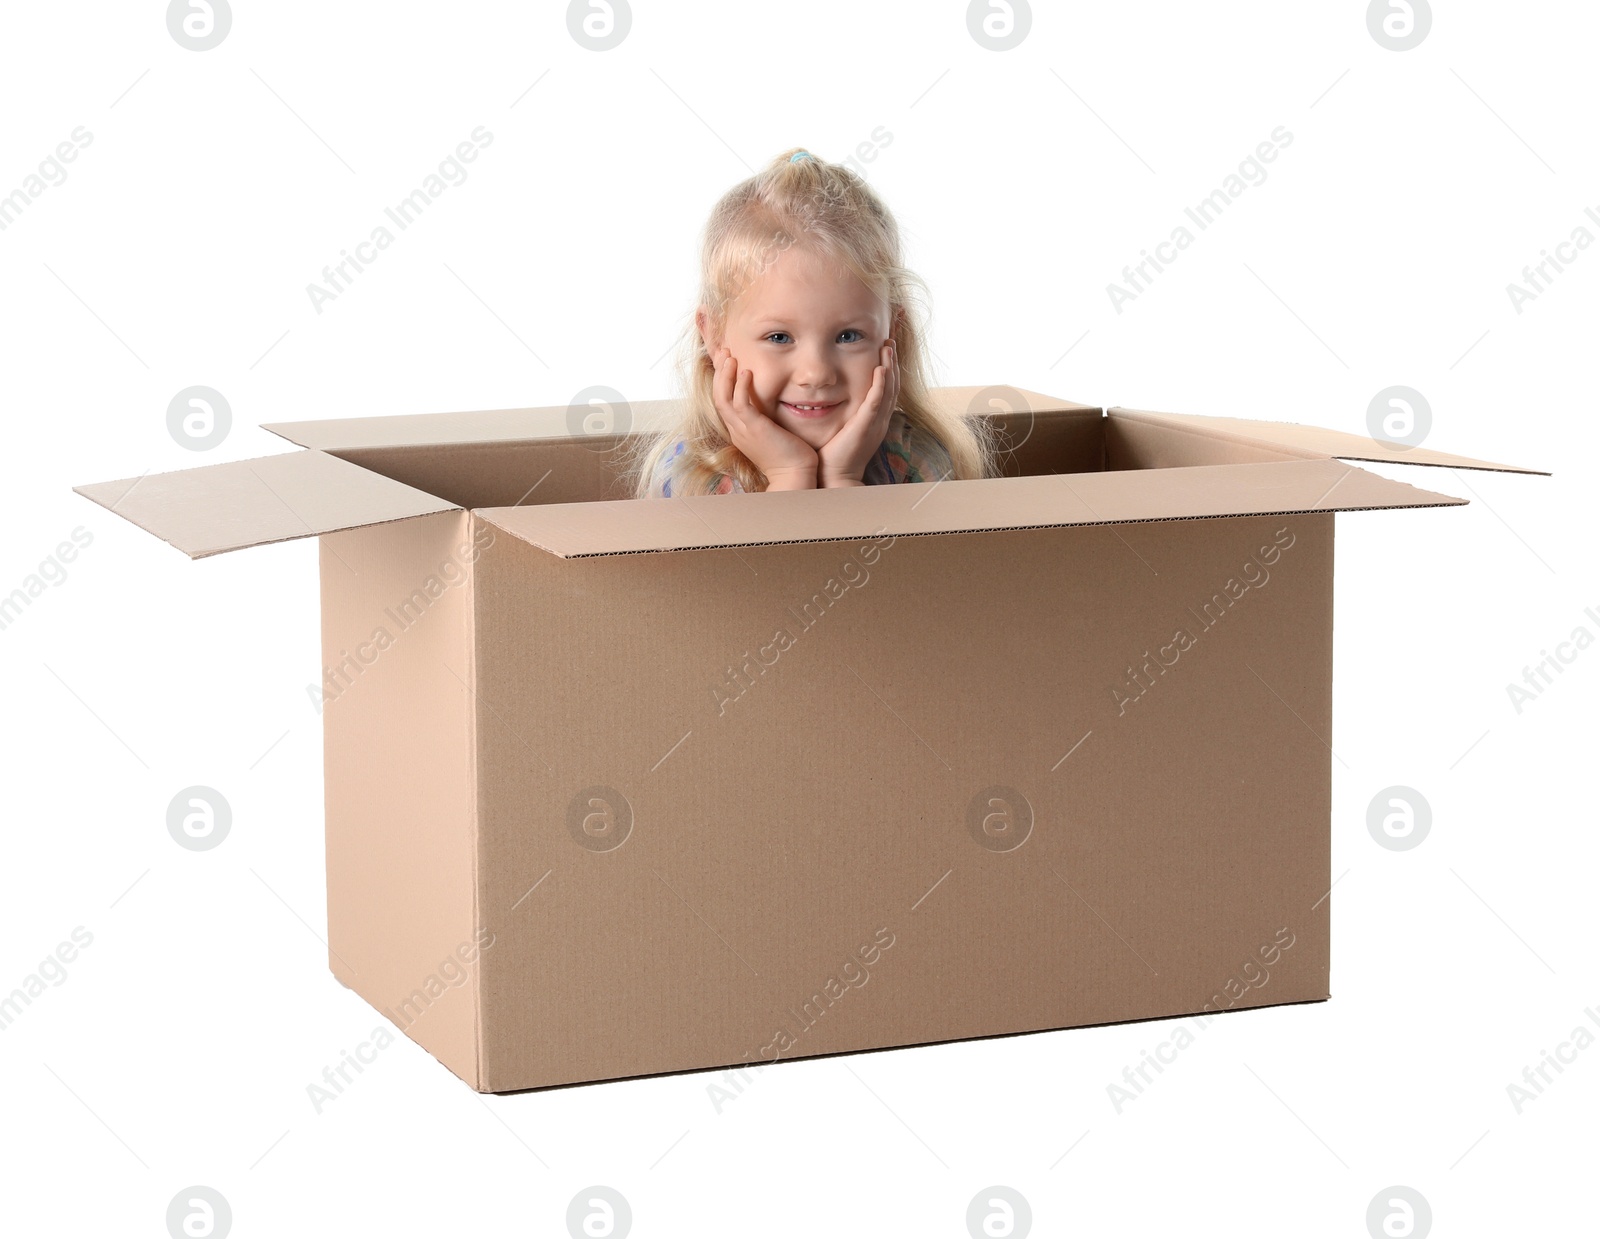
(969, 507)
(479, 1080)
(562, 423)
(1313, 442)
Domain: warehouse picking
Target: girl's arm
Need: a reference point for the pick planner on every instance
(798, 479)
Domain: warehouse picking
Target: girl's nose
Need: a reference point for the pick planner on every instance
(814, 370)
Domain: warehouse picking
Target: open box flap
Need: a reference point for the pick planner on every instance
(693, 522)
(473, 426)
(240, 503)
(569, 422)
(1313, 442)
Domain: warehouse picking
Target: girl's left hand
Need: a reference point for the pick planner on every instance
(843, 459)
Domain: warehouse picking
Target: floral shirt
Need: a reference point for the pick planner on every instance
(907, 455)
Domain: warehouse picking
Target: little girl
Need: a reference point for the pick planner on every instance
(805, 367)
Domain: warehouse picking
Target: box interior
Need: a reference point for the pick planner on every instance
(511, 473)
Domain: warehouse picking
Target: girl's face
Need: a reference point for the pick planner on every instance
(809, 334)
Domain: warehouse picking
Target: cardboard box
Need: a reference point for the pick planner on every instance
(621, 787)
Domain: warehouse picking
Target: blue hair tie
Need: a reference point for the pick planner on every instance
(799, 155)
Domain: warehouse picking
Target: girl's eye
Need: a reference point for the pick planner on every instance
(846, 332)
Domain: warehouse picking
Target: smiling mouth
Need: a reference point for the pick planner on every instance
(810, 410)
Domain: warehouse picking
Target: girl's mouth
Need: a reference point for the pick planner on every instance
(811, 410)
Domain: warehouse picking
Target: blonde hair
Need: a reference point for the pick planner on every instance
(827, 208)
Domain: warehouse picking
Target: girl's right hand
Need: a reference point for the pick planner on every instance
(788, 461)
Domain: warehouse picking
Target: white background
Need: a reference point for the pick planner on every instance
(1378, 251)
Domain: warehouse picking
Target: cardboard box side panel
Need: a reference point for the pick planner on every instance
(481, 475)
(1132, 444)
(398, 765)
(794, 800)
(1309, 441)
(1068, 441)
